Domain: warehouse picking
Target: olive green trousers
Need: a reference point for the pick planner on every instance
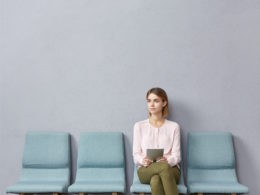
(162, 178)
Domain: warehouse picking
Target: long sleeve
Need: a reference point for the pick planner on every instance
(175, 155)
(137, 149)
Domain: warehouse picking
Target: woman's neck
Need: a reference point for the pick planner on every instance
(156, 120)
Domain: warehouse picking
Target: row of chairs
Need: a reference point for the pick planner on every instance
(46, 165)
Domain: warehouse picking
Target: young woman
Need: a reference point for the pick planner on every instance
(154, 133)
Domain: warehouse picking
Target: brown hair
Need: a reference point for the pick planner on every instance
(163, 95)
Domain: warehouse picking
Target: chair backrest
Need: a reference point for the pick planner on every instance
(46, 156)
(101, 150)
(210, 156)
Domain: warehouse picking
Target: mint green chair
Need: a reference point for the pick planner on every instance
(45, 165)
(211, 164)
(101, 164)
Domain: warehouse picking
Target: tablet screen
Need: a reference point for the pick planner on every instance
(153, 154)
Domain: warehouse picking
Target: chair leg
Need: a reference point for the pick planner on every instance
(114, 193)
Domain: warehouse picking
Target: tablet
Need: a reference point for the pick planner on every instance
(153, 154)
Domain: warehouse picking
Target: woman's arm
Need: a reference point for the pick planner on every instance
(137, 150)
(174, 157)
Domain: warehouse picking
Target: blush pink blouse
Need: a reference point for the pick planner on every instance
(167, 137)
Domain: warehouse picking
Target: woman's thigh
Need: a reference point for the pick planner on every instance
(146, 173)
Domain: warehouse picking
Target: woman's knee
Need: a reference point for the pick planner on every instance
(155, 181)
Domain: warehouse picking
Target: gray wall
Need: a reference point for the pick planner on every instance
(86, 65)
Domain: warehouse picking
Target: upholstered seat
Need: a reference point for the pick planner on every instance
(46, 164)
(101, 164)
(211, 164)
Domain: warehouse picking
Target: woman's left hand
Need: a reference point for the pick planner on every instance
(162, 159)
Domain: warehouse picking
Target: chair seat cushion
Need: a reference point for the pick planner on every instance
(38, 187)
(97, 186)
(100, 174)
(217, 187)
(139, 187)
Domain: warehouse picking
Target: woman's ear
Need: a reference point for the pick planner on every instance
(164, 103)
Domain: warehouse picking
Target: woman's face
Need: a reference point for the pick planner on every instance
(155, 104)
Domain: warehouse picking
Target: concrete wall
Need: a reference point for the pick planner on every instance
(86, 65)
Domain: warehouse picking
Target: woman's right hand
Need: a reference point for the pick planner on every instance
(146, 162)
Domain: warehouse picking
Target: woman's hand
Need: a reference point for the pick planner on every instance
(162, 159)
(146, 162)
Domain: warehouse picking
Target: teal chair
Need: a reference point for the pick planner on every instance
(101, 164)
(211, 164)
(139, 188)
(46, 164)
